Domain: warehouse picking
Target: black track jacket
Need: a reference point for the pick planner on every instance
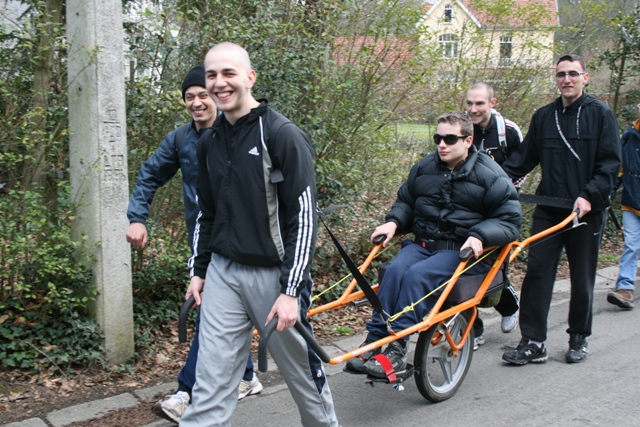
(486, 140)
(243, 215)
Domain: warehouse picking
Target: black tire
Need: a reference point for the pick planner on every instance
(438, 374)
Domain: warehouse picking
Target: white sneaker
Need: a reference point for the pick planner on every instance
(172, 407)
(509, 323)
(478, 341)
(247, 388)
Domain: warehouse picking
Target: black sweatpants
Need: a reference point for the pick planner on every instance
(582, 245)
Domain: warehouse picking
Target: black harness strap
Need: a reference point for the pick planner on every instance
(179, 137)
(554, 202)
(369, 293)
(614, 219)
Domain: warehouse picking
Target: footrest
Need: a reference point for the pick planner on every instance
(401, 376)
(360, 302)
(353, 371)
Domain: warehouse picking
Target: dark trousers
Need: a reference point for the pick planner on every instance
(582, 245)
(507, 306)
(414, 273)
(187, 376)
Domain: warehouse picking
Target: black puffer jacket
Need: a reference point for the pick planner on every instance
(477, 200)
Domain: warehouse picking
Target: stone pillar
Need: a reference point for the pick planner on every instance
(98, 162)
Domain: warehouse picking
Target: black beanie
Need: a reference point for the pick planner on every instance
(195, 77)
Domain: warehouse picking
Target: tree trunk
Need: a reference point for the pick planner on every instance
(50, 18)
(620, 79)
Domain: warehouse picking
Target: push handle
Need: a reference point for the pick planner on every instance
(263, 364)
(466, 253)
(379, 239)
(182, 319)
(266, 334)
(308, 337)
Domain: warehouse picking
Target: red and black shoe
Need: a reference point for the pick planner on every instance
(393, 360)
(355, 365)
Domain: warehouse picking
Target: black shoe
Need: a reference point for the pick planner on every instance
(354, 365)
(525, 352)
(397, 355)
(578, 348)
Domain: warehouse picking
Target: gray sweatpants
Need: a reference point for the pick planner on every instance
(236, 298)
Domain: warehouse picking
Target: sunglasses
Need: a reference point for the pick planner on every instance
(572, 74)
(449, 139)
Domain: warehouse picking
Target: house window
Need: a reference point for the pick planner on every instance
(448, 14)
(449, 45)
(506, 47)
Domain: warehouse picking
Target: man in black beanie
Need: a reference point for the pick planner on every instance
(178, 151)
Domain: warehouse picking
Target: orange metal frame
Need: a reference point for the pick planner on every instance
(436, 316)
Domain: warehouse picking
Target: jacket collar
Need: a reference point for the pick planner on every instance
(463, 167)
(253, 115)
(583, 100)
(490, 125)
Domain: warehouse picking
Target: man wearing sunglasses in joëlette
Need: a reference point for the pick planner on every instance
(454, 198)
(576, 141)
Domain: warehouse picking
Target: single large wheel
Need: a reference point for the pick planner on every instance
(438, 373)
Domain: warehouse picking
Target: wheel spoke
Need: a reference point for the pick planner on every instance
(445, 365)
(456, 330)
(440, 373)
(440, 350)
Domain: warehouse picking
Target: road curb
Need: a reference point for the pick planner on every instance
(93, 409)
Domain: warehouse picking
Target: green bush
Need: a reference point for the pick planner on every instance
(45, 291)
(160, 280)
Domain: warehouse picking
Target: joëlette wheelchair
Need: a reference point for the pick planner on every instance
(444, 349)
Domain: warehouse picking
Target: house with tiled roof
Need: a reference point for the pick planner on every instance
(492, 33)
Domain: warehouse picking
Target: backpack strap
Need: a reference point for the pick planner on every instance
(502, 131)
(276, 175)
(179, 137)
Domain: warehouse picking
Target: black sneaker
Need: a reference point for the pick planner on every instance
(525, 352)
(397, 355)
(354, 365)
(578, 348)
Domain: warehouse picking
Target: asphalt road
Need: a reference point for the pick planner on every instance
(602, 391)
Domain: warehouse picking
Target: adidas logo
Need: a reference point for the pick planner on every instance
(254, 151)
